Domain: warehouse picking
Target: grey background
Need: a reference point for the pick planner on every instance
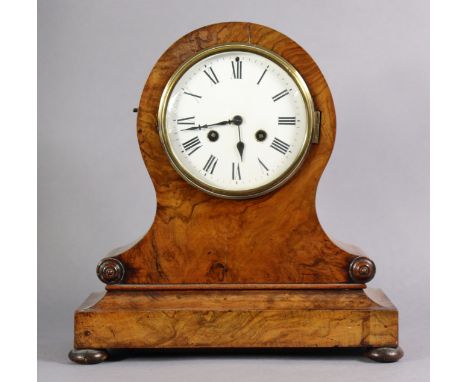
(94, 193)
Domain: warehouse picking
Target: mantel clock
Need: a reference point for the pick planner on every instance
(236, 124)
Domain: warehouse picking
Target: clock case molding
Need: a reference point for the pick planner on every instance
(214, 272)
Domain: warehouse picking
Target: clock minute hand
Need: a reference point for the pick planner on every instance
(199, 127)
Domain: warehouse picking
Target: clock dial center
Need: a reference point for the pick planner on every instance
(237, 120)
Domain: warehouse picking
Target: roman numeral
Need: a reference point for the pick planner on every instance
(280, 146)
(237, 69)
(186, 121)
(193, 95)
(262, 164)
(261, 77)
(211, 76)
(236, 175)
(210, 164)
(286, 120)
(192, 144)
(280, 95)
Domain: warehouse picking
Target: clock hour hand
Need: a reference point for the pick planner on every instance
(240, 145)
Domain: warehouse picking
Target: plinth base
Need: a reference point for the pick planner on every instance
(236, 319)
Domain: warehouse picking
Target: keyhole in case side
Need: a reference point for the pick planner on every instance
(213, 136)
(260, 135)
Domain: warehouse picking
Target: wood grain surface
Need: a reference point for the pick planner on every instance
(226, 286)
(239, 319)
(198, 238)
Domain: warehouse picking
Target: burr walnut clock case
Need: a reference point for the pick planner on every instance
(236, 124)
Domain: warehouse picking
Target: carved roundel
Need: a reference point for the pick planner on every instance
(362, 270)
(110, 271)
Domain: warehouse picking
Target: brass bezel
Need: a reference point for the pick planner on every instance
(312, 115)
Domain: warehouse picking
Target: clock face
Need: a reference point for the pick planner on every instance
(236, 123)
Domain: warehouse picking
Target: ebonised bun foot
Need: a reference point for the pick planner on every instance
(385, 354)
(88, 356)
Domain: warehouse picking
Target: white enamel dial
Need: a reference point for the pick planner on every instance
(236, 123)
